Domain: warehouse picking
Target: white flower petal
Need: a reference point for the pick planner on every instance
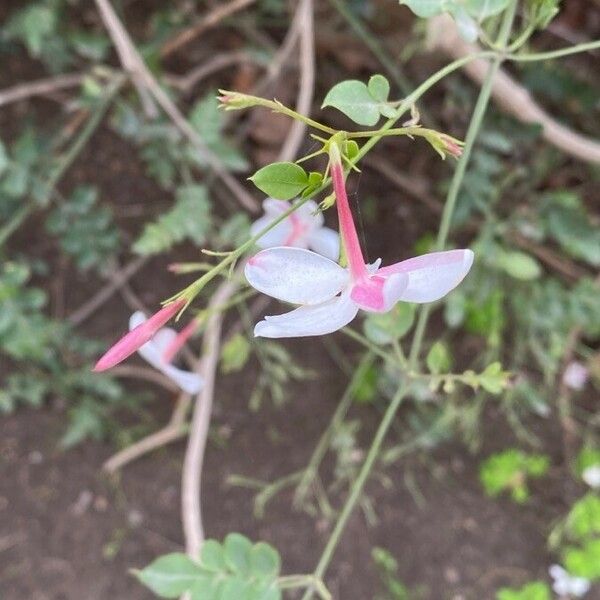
(274, 237)
(326, 242)
(394, 289)
(309, 320)
(275, 208)
(153, 350)
(591, 476)
(432, 276)
(187, 380)
(295, 275)
(310, 214)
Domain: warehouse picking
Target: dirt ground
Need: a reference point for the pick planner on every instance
(68, 533)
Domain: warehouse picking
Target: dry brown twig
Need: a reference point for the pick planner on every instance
(142, 74)
(185, 83)
(192, 469)
(214, 17)
(511, 96)
(118, 279)
(41, 87)
(175, 429)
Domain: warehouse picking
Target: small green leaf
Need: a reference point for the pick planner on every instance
(207, 587)
(315, 180)
(265, 561)
(237, 553)
(212, 556)
(438, 358)
(379, 88)
(171, 575)
(584, 561)
(282, 180)
(384, 328)
(352, 97)
(235, 354)
(536, 590)
(493, 379)
(519, 265)
(425, 8)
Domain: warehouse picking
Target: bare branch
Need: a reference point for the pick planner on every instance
(510, 95)
(40, 87)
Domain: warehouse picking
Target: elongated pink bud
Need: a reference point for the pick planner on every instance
(356, 262)
(178, 342)
(137, 337)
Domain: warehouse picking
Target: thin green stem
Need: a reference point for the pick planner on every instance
(586, 47)
(459, 174)
(401, 392)
(411, 131)
(357, 486)
(325, 440)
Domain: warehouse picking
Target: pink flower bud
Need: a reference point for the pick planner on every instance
(137, 337)
(178, 342)
(451, 146)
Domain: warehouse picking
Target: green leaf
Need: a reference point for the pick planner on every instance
(171, 575)
(519, 265)
(426, 8)
(379, 88)
(207, 587)
(466, 25)
(352, 97)
(584, 561)
(536, 590)
(567, 221)
(237, 553)
(209, 121)
(265, 561)
(282, 180)
(583, 519)
(212, 556)
(493, 379)
(235, 354)
(508, 471)
(438, 358)
(384, 328)
(483, 9)
(188, 219)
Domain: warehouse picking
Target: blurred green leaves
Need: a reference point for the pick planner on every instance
(509, 470)
(188, 219)
(233, 570)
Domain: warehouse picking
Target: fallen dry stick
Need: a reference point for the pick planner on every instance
(511, 96)
(40, 87)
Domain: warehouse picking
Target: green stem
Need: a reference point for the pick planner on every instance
(357, 486)
(459, 174)
(413, 131)
(325, 440)
(392, 409)
(588, 46)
